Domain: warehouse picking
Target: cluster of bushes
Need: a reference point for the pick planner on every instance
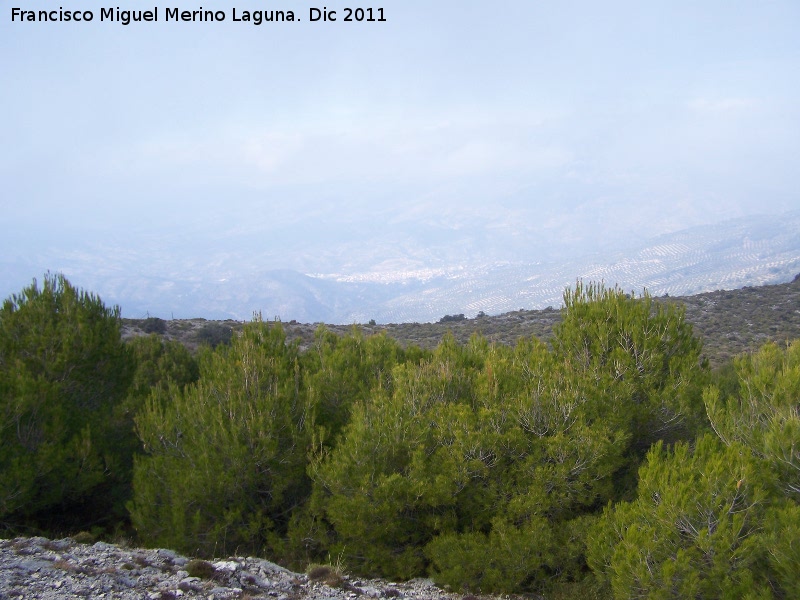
(609, 462)
(452, 318)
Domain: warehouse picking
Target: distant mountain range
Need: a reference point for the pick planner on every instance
(732, 254)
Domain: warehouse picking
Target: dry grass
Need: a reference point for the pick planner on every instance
(327, 574)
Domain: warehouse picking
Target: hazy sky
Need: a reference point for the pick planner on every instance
(585, 116)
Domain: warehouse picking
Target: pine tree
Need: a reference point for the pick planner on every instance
(494, 461)
(224, 462)
(720, 518)
(63, 371)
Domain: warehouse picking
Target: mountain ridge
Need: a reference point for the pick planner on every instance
(748, 251)
(728, 321)
(400, 277)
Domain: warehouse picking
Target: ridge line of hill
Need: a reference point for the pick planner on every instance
(728, 321)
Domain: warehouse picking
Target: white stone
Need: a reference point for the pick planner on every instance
(226, 565)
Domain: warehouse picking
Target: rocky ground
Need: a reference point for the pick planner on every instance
(42, 569)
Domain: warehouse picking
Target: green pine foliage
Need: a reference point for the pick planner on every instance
(63, 369)
(644, 353)
(764, 413)
(373, 487)
(224, 457)
(719, 518)
(696, 530)
(485, 464)
(341, 371)
(158, 363)
(609, 462)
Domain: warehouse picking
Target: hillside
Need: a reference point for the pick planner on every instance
(729, 322)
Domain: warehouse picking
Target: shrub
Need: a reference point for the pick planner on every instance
(214, 334)
(154, 325)
(330, 576)
(200, 568)
(452, 318)
(84, 537)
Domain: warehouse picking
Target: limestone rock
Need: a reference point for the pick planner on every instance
(42, 569)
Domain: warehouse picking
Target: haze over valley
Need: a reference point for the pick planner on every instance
(417, 273)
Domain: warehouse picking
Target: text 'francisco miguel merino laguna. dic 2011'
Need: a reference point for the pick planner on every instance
(156, 14)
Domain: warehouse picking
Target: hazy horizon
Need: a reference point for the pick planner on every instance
(453, 136)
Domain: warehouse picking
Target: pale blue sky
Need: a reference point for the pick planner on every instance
(540, 122)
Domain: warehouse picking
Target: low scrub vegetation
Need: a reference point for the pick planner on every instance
(727, 322)
(609, 461)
